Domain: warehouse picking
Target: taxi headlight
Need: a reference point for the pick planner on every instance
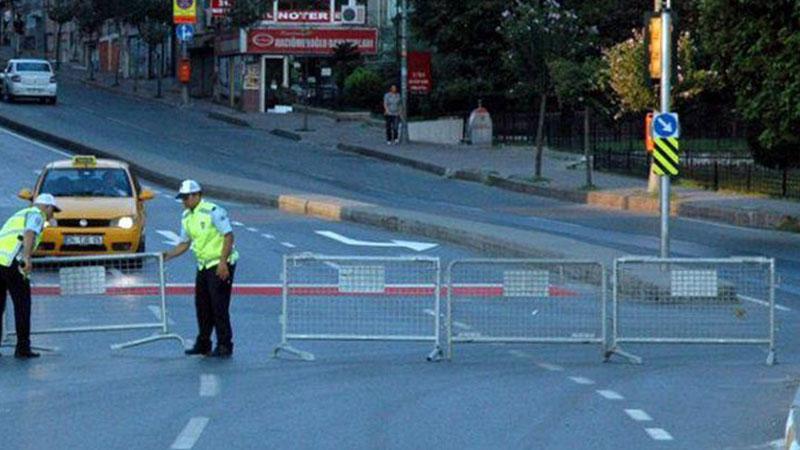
(125, 223)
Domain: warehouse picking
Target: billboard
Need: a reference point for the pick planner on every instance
(311, 41)
(184, 11)
(420, 80)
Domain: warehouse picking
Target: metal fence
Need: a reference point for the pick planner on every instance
(117, 293)
(693, 301)
(525, 301)
(360, 299)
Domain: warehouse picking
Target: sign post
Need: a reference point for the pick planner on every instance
(666, 65)
(184, 14)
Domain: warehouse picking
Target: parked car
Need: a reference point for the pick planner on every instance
(29, 78)
(103, 207)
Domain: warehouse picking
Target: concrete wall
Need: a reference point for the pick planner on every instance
(441, 131)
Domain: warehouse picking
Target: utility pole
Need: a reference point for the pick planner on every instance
(184, 86)
(666, 73)
(404, 73)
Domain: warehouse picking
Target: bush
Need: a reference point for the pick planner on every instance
(364, 89)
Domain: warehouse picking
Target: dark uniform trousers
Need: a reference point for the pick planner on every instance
(212, 302)
(12, 282)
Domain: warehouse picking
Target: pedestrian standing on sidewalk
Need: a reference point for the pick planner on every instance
(19, 237)
(391, 112)
(206, 229)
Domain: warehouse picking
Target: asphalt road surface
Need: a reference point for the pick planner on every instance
(383, 394)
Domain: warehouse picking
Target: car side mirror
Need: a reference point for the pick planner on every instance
(146, 195)
(25, 194)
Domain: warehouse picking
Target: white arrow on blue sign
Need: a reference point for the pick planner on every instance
(185, 32)
(666, 125)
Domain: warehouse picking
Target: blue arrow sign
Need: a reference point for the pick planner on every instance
(666, 125)
(185, 32)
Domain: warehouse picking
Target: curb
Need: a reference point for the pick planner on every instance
(229, 119)
(621, 200)
(286, 134)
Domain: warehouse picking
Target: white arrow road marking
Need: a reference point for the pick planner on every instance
(190, 434)
(610, 395)
(170, 236)
(416, 246)
(659, 434)
(638, 415)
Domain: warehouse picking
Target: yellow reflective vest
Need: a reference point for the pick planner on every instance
(12, 233)
(207, 241)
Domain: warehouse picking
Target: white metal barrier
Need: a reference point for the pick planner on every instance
(360, 299)
(525, 301)
(693, 301)
(113, 288)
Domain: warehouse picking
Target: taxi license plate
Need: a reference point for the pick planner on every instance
(83, 240)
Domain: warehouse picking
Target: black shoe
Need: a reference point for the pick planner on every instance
(222, 351)
(197, 350)
(25, 354)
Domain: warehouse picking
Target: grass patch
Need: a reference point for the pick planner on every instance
(790, 224)
(589, 188)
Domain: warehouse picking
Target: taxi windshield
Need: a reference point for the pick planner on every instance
(87, 182)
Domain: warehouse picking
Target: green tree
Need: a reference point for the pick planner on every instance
(153, 19)
(754, 47)
(537, 32)
(363, 89)
(345, 60)
(90, 16)
(245, 13)
(60, 12)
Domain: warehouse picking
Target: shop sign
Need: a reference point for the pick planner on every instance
(420, 80)
(315, 41)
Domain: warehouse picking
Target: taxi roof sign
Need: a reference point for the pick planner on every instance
(84, 160)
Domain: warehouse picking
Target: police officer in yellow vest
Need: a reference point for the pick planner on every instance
(206, 229)
(19, 237)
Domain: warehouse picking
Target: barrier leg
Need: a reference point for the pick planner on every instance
(615, 350)
(771, 359)
(436, 354)
(154, 338)
(305, 356)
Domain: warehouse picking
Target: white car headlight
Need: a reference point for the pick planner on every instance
(125, 223)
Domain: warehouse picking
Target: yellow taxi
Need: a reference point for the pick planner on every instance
(102, 207)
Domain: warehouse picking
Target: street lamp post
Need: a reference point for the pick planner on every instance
(404, 73)
(307, 92)
(666, 72)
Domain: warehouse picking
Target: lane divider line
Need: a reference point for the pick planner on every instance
(209, 385)
(658, 434)
(610, 395)
(190, 434)
(550, 367)
(237, 224)
(252, 230)
(288, 244)
(638, 415)
(267, 236)
(37, 144)
(582, 380)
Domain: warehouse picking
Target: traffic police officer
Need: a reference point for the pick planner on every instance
(206, 229)
(19, 237)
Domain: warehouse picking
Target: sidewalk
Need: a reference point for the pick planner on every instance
(505, 167)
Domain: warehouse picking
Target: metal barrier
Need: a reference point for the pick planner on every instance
(118, 287)
(525, 301)
(693, 301)
(360, 299)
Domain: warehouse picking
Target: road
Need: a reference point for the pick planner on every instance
(376, 395)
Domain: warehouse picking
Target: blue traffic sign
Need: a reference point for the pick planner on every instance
(185, 32)
(666, 125)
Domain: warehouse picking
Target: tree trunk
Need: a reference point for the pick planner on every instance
(159, 69)
(91, 60)
(119, 52)
(540, 135)
(58, 47)
(587, 152)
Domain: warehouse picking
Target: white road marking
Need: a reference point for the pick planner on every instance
(416, 246)
(550, 367)
(582, 380)
(157, 312)
(762, 302)
(89, 110)
(638, 415)
(38, 144)
(267, 235)
(519, 354)
(128, 124)
(288, 244)
(209, 385)
(237, 224)
(610, 395)
(190, 434)
(659, 434)
(170, 236)
(252, 230)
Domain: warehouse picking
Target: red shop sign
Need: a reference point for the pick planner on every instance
(316, 41)
(220, 8)
(420, 80)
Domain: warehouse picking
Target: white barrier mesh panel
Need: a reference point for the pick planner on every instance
(360, 298)
(96, 293)
(694, 300)
(525, 301)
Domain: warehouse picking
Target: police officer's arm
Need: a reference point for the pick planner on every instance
(223, 224)
(28, 240)
(178, 250)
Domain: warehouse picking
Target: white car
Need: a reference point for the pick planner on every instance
(29, 78)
